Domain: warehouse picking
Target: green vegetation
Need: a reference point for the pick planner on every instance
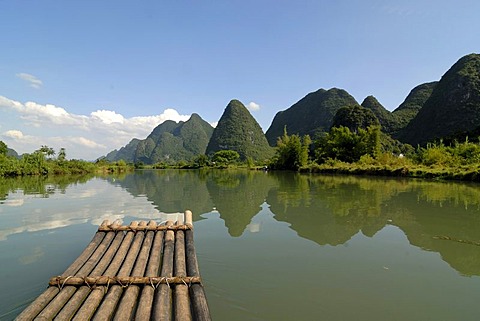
(171, 142)
(459, 161)
(168, 143)
(127, 153)
(225, 157)
(311, 115)
(237, 130)
(348, 137)
(387, 120)
(43, 162)
(3, 148)
(348, 146)
(370, 152)
(453, 106)
(411, 105)
(355, 117)
(291, 152)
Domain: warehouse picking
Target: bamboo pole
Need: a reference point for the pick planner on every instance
(95, 297)
(162, 308)
(81, 294)
(108, 305)
(42, 301)
(197, 293)
(181, 300)
(128, 303)
(53, 308)
(144, 309)
(136, 258)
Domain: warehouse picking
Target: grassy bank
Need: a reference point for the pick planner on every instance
(463, 172)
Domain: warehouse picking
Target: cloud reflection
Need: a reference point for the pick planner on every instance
(84, 203)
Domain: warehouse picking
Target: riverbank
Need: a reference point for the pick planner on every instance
(461, 173)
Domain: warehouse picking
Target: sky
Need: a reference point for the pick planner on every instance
(89, 76)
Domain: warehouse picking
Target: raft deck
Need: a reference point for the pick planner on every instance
(142, 271)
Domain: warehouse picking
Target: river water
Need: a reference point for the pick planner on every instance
(271, 246)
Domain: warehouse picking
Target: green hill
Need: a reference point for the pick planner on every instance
(312, 114)
(12, 153)
(168, 142)
(355, 117)
(387, 120)
(411, 105)
(237, 130)
(127, 153)
(453, 106)
(171, 141)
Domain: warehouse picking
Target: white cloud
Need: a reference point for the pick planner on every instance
(86, 137)
(168, 114)
(13, 134)
(37, 114)
(75, 142)
(31, 79)
(252, 106)
(86, 142)
(108, 116)
(8, 103)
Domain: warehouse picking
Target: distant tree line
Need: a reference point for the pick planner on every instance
(369, 151)
(45, 161)
(343, 149)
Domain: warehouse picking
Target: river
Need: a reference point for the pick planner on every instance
(270, 245)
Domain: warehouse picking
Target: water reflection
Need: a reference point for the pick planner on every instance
(170, 191)
(238, 198)
(36, 204)
(334, 209)
(328, 210)
(236, 195)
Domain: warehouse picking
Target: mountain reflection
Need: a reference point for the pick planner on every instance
(328, 210)
(238, 197)
(171, 191)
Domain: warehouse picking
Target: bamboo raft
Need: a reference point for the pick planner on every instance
(142, 271)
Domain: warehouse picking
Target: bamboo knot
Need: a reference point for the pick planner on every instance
(123, 281)
(182, 227)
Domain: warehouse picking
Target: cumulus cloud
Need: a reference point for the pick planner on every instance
(20, 142)
(84, 136)
(33, 81)
(252, 106)
(13, 134)
(108, 116)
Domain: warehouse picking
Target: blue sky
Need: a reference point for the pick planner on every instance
(91, 75)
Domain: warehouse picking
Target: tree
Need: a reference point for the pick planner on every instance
(225, 157)
(47, 151)
(3, 148)
(347, 146)
(62, 155)
(34, 164)
(200, 161)
(291, 151)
